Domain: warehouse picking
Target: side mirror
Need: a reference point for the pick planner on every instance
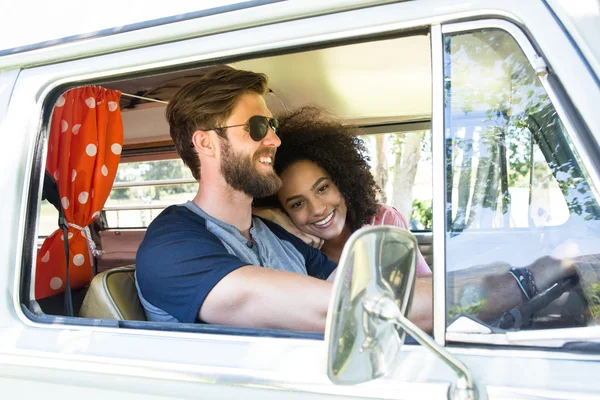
(366, 323)
(377, 263)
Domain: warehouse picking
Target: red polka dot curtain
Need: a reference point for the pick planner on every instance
(86, 137)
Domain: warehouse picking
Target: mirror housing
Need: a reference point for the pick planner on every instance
(377, 262)
(366, 323)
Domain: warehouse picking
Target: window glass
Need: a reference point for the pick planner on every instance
(401, 165)
(48, 219)
(143, 189)
(515, 189)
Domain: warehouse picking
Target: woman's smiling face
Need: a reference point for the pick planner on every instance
(312, 200)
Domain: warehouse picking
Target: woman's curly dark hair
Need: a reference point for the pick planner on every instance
(312, 134)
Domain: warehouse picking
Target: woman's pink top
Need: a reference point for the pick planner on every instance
(387, 215)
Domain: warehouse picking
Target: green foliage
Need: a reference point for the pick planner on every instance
(422, 213)
(498, 127)
(426, 146)
(119, 194)
(593, 297)
(345, 345)
(473, 309)
(151, 171)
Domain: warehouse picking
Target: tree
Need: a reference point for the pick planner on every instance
(119, 194)
(152, 171)
(492, 92)
(408, 153)
(165, 170)
(494, 109)
(381, 169)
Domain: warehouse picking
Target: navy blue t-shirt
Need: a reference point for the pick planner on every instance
(185, 253)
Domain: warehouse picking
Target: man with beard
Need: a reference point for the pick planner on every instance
(210, 260)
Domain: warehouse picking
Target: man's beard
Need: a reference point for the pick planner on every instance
(241, 174)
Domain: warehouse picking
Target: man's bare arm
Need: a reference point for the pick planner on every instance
(260, 297)
(488, 291)
(421, 310)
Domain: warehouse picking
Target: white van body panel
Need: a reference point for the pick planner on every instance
(68, 361)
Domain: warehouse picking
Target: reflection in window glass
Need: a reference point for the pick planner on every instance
(136, 206)
(401, 165)
(515, 189)
(48, 221)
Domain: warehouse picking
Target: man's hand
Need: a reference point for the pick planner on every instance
(280, 218)
(548, 270)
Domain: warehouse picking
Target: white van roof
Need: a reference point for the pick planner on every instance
(166, 29)
(111, 18)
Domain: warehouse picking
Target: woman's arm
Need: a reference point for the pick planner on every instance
(280, 218)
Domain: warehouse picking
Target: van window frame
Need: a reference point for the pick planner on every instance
(576, 132)
(25, 287)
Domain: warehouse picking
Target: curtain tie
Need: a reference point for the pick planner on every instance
(85, 231)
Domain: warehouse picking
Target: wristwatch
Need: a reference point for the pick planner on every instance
(525, 281)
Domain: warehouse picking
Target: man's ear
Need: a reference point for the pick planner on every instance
(203, 143)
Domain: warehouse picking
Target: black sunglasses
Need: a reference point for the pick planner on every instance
(257, 125)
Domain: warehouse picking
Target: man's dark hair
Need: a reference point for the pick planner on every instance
(312, 134)
(207, 103)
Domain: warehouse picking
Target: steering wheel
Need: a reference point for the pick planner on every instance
(522, 316)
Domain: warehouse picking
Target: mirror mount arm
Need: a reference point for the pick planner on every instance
(385, 309)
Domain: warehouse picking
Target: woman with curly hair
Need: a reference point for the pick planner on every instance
(328, 191)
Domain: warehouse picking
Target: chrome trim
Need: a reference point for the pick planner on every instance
(508, 392)
(133, 207)
(464, 387)
(367, 312)
(439, 185)
(551, 336)
(546, 354)
(537, 63)
(28, 172)
(397, 128)
(161, 182)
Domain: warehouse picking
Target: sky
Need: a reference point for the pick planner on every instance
(25, 22)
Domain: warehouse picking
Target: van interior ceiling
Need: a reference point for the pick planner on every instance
(372, 83)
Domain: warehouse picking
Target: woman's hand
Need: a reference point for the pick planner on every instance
(280, 218)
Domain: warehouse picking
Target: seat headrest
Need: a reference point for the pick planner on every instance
(113, 295)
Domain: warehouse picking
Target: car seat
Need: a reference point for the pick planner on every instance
(113, 295)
